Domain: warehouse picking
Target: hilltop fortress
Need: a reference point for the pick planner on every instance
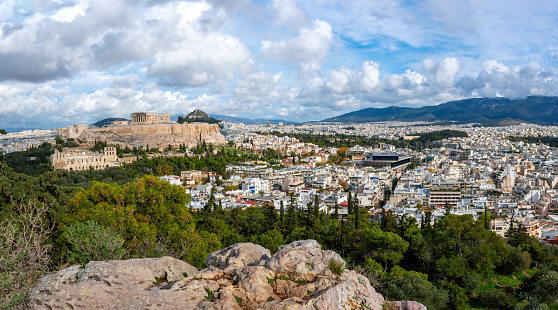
(145, 130)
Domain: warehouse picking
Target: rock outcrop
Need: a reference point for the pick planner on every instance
(243, 276)
(155, 135)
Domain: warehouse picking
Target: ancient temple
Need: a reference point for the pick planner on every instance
(150, 118)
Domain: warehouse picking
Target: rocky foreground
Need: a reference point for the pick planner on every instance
(242, 276)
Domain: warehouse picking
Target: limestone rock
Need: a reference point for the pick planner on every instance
(406, 305)
(237, 255)
(303, 261)
(242, 276)
(126, 284)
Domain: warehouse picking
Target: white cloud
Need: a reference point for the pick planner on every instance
(288, 14)
(308, 50)
(443, 74)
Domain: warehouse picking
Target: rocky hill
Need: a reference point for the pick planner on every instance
(155, 135)
(243, 276)
(493, 111)
(200, 116)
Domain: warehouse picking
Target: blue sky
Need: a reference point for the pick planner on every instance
(66, 62)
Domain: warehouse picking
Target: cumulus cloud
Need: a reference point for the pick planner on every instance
(307, 50)
(443, 73)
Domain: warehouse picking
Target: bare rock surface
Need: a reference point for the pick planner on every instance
(303, 260)
(243, 276)
(406, 305)
(238, 255)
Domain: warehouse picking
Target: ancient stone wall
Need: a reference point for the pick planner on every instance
(191, 130)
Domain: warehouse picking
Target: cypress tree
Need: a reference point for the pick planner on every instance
(316, 206)
(291, 217)
(486, 223)
(336, 212)
(270, 215)
(349, 204)
(282, 215)
(357, 214)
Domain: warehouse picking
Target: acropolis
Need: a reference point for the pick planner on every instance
(155, 130)
(150, 118)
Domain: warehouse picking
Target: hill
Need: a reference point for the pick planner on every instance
(106, 122)
(492, 111)
(198, 116)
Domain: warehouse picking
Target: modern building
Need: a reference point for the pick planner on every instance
(388, 159)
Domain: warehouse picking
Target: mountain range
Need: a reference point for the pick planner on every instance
(248, 121)
(489, 111)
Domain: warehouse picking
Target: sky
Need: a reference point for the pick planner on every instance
(67, 62)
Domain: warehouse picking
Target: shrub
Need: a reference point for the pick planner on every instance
(90, 241)
(496, 298)
(336, 266)
(24, 253)
(414, 287)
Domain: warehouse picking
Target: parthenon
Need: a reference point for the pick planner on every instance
(150, 118)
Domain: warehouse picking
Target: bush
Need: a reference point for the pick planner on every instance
(496, 298)
(414, 287)
(471, 282)
(24, 253)
(515, 261)
(90, 241)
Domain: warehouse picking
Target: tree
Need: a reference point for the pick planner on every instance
(282, 216)
(357, 213)
(270, 215)
(270, 240)
(496, 298)
(480, 249)
(291, 216)
(388, 221)
(414, 287)
(386, 247)
(2, 131)
(180, 120)
(147, 213)
(349, 204)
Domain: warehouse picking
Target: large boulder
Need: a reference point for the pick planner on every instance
(304, 261)
(243, 276)
(237, 256)
(125, 284)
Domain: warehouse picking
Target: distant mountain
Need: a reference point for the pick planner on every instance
(107, 122)
(492, 111)
(248, 121)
